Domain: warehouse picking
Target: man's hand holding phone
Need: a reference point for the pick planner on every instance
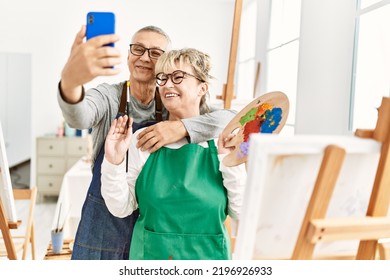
(88, 60)
(100, 23)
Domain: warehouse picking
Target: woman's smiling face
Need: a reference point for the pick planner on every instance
(182, 100)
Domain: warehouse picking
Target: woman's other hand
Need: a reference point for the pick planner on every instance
(223, 147)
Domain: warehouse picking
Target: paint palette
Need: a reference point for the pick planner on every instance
(265, 114)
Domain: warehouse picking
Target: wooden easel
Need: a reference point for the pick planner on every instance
(227, 91)
(5, 227)
(369, 229)
(380, 195)
(16, 243)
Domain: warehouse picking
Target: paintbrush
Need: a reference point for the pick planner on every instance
(66, 216)
(59, 215)
(128, 120)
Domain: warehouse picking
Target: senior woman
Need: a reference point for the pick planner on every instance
(183, 191)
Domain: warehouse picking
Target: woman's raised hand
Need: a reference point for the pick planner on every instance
(118, 140)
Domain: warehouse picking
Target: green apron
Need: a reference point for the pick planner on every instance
(183, 206)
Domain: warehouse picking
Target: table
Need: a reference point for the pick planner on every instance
(72, 195)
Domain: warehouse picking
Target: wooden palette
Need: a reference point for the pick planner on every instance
(265, 114)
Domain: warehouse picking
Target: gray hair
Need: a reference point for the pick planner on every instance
(155, 29)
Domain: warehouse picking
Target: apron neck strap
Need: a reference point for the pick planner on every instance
(211, 143)
(157, 99)
(158, 105)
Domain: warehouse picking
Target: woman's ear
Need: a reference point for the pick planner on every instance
(203, 89)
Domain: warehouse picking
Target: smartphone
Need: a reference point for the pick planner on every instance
(100, 23)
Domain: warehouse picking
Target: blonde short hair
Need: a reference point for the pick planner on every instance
(199, 61)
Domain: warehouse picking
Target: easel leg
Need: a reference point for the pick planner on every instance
(9, 245)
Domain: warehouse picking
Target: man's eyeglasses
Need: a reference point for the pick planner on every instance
(176, 77)
(139, 50)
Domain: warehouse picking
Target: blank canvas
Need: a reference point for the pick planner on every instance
(281, 175)
(6, 193)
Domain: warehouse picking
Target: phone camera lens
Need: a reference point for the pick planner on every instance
(90, 19)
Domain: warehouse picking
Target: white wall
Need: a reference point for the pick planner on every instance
(15, 106)
(326, 44)
(46, 29)
(325, 66)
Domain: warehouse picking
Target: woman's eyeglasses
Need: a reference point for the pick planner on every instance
(176, 77)
(139, 50)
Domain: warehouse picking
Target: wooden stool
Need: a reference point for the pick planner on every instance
(65, 253)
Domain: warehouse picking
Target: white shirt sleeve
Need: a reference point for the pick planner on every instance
(118, 188)
(234, 180)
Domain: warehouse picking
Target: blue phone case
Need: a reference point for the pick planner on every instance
(100, 23)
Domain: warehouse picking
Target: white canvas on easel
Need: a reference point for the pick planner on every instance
(281, 175)
(6, 193)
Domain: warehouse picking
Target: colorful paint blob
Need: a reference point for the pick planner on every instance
(262, 119)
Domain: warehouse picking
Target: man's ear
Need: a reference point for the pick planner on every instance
(204, 89)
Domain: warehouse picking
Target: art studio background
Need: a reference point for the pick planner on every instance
(331, 58)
